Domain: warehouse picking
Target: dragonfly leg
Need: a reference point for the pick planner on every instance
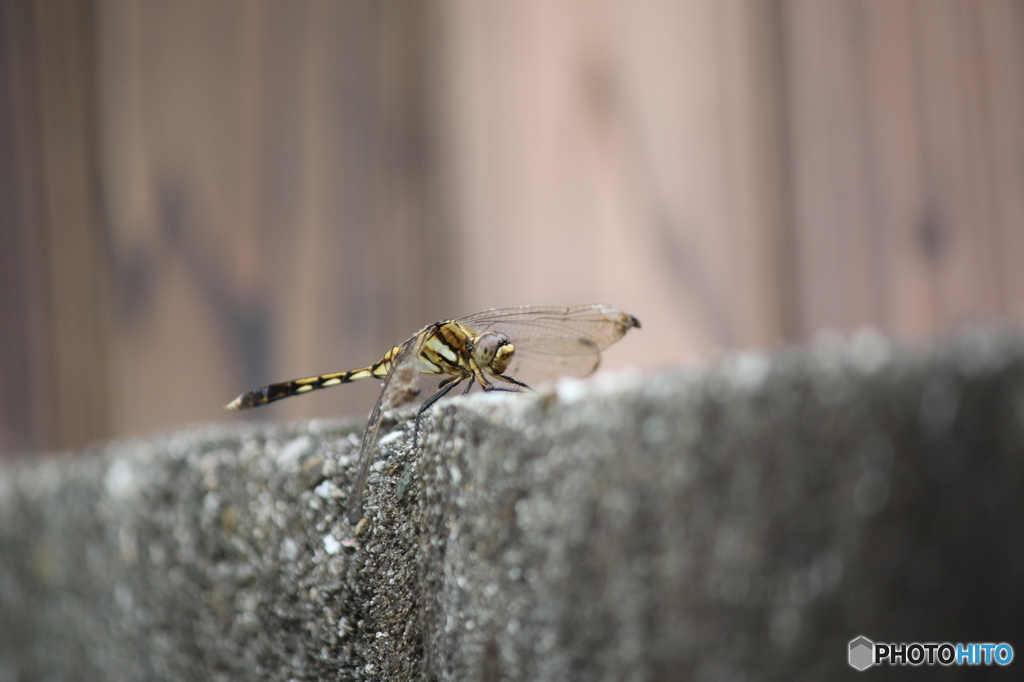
(514, 381)
(488, 386)
(446, 386)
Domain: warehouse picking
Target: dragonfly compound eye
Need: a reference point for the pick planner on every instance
(503, 355)
(492, 350)
(484, 348)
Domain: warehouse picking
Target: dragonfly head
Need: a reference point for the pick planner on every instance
(493, 351)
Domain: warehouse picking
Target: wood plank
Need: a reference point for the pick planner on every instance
(620, 152)
(269, 211)
(56, 302)
(899, 183)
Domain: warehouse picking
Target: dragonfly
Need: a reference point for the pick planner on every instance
(498, 350)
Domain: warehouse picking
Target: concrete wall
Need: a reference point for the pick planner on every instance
(740, 521)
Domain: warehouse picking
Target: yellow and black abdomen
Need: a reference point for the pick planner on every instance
(286, 389)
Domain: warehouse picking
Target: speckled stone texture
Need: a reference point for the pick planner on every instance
(734, 522)
(215, 553)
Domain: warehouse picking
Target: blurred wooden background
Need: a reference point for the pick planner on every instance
(199, 198)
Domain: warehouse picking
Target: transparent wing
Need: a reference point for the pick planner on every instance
(553, 341)
(399, 389)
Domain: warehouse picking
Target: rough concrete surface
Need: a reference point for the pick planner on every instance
(735, 522)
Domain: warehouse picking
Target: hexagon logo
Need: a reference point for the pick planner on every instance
(862, 653)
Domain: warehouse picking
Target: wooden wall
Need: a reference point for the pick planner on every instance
(198, 198)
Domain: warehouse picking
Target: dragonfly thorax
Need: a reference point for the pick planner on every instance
(492, 351)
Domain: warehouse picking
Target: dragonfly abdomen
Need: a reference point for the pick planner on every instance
(286, 389)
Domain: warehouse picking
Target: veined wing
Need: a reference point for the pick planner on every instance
(552, 341)
(580, 329)
(398, 390)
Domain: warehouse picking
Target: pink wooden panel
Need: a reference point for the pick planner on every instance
(283, 189)
(905, 142)
(617, 152)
